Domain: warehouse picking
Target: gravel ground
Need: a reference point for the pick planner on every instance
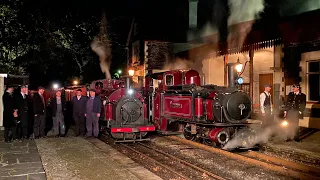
(74, 158)
(215, 163)
(307, 151)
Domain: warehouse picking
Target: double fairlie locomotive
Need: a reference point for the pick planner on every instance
(210, 114)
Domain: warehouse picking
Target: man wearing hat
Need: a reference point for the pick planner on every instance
(21, 105)
(296, 104)
(93, 109)
(266, 105)
(39, 110)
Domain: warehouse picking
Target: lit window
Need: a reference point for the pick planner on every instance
(313, 75)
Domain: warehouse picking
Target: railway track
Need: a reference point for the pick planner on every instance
(168, 163)
(285, 167)
(163, 159)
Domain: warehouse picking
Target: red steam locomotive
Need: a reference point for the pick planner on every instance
(124, 111)
(209, 113)
(171, 102)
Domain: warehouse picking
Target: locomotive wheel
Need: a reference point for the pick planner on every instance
(187, 133)
(208, 142)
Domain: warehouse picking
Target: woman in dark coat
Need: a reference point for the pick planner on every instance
(8, 110)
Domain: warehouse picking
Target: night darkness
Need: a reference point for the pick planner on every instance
(50, 40)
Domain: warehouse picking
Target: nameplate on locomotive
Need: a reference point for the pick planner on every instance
(175, 105)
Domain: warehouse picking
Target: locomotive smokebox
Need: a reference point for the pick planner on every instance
(232, 75)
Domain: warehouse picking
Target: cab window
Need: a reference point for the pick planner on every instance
(169, 80)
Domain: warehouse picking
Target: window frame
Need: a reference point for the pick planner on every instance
(307, 78)
(165, 78)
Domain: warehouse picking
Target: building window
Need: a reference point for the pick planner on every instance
(313, 76)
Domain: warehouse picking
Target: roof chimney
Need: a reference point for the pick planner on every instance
(193, 13)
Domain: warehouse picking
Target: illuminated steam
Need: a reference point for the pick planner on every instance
(101, 46)
(242, 11)
(177, 64)
(248, 138)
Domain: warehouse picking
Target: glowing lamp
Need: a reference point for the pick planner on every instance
(131, 72)
(119, 71)
(75, 82)
(130, 91)
(239, 80)
(55, 86)
(284, 123)
(239, 66)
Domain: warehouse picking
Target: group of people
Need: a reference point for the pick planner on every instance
(294, 108)
(86, 113)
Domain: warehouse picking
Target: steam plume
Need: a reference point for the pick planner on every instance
(241, 11)
(248, 138)
(177, 64)
(101, 46)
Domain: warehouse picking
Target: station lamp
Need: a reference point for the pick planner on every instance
(75, 82)
(239, 67)
(131, 72)
(119, 71)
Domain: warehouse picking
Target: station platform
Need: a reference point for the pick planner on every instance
(67, 158)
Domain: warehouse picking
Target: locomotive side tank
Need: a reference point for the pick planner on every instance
(209, 113)
(125, 112)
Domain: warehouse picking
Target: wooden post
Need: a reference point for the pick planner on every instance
(251, 54)
(225, 60)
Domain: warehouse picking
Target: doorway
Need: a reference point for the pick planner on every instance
(266, 79)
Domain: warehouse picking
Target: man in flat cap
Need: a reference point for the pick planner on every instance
(266, 106)
(21, 105)
(295, 106)
(93, 110)
(39, 110)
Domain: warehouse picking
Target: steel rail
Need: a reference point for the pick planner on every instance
(184, 162)
(277, 168)
(155, 161)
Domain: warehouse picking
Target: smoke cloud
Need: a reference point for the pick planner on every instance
(177, 64)
(257, 134)
(101, 46)
(242, 11)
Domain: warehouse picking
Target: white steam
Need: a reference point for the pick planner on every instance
(256, 134)
(242, 11)
(101, 46)
(177, 64)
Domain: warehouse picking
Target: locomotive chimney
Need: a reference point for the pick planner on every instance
(127, 82)
(232, 75)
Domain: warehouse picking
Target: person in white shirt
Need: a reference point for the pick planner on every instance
(266, 105)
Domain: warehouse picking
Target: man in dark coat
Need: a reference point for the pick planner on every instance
(58, 107)
(93, 110)
(79, 108)
(39, 110)
(21, 105)
(8, 110)
(295, 106)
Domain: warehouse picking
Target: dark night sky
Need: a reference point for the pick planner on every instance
(164, 20)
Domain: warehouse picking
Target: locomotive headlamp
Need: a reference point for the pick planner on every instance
(131, 72)
(284, 123)
(130, 91)
(55, 86)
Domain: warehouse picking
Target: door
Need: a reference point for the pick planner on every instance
(263, 80)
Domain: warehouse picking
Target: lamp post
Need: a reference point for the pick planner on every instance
(235, 71)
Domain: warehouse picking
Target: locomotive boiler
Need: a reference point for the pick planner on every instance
(124, 111)
(211, 114)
